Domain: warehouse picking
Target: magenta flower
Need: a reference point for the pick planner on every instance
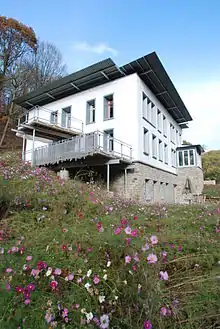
(124, 221)
(53, 284)
(179, 248)
(164, 275)
(128, 230)
(29, 258)
(30, 287)
(41, 265)
(152, 258)
(65, 312)
(19, 289)
(147, 325)
(153, 239)
(127, 259)
(96, 279)
(134, 233)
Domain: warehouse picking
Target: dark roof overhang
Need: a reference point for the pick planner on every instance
(149, 68)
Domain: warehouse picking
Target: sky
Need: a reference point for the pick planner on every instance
(185, 35)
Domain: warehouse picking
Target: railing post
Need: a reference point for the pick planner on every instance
(130, 153)
(121, 149)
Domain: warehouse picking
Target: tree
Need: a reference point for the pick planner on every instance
(211, 165)
(44, 66)
(16, 40)
(186, 143)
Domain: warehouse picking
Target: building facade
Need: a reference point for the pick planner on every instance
(125, 122)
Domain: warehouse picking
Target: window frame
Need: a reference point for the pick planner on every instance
(88, 111)
(105, 98)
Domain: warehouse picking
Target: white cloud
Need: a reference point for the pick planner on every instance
(98, 48)
(203, 103)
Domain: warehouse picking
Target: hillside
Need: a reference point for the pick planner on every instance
(11, 142)
(73, 258)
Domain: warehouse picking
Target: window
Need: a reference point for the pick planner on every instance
(180, 158)
(90, 111)
(159, 120)
(54, 118)
(191, 158)
(153, 115)
(108, 107)
(186, 158)
(172, 133)
(154, 146)
(164, 126)
(173, 158)
(144, 105)
(146, 141)
(147, 105)
(166, 153)
(160, 150)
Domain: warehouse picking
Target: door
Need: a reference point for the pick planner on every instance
(108, 143)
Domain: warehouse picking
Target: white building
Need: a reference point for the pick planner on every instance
(126, 122)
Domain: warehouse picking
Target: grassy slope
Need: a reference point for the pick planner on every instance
(45, 216)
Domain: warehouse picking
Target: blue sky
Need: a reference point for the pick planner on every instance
(185, 34)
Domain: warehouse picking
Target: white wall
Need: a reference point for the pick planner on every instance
(154, 130)
(128, 119)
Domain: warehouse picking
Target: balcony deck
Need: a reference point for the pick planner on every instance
(39, 119)
(82, 147)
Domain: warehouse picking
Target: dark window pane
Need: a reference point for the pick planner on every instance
(181, 158)
(186, 159)
(191, 156)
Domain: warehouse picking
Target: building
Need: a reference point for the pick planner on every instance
(125, 122)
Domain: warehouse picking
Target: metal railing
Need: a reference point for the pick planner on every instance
(52, 118)
(81, 146)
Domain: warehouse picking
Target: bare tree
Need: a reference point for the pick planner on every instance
(45, 66)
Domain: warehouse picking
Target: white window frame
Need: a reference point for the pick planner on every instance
(160, 147)
(164, 126)
(159, 120)
(154, 146)
(188, 157)
(146, 141)
(166, 153)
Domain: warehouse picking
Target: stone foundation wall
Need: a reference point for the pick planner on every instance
(152, 185)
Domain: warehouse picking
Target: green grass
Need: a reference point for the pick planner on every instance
(42, 215)
(212, 190)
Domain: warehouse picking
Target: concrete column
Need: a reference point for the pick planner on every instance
(108, 176)
(33, 141)
(23, 148)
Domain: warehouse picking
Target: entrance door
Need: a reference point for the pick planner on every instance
(108, 144)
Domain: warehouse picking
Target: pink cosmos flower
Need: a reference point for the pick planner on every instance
(117, 231)
(163, 311)
(30, 287)
(19, 289)
(28, 258)
(7, 286)
(70, 277)
(134, 233)
(164, 275)
(136, 258)
(179, 248)
(152, 259)
(128, 230)
(127, 259)
(27, 301)
(57, 271)
(147, 325)
(35, 272)
(146, 247)
(8, 270)
(96, 279)
(153, 239)
(53, 284)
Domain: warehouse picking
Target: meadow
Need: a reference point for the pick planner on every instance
(71, 257)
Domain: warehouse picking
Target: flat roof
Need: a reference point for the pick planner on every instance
(149, 68)
(198, 147)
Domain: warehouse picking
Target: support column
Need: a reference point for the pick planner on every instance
(23, 148)
(126, 181)
(33, 140)
(108, 175)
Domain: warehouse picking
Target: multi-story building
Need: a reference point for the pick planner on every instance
(125, 122)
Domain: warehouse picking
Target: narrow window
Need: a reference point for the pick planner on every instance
(144, 105)
(146, 141)
(108, 107)
(109, 140)
(180, 156)
(160, 150)
(54, 118)
(164, 126)
(66, 117)
(166, 153)
(186, 159)
(191, 157)
(159, 120)
(153, 114)
(154, 146)
(90, 111)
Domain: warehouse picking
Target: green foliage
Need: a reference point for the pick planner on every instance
(211, 165)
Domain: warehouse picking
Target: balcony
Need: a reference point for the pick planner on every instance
(50, 125)
(83, 146)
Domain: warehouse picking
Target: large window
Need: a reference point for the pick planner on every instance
(90, 111)
(186, 158)
(108, 107)
(154, 146)
(146, 141)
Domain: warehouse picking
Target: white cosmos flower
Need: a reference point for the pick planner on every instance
(89, 273)
(101, 299)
